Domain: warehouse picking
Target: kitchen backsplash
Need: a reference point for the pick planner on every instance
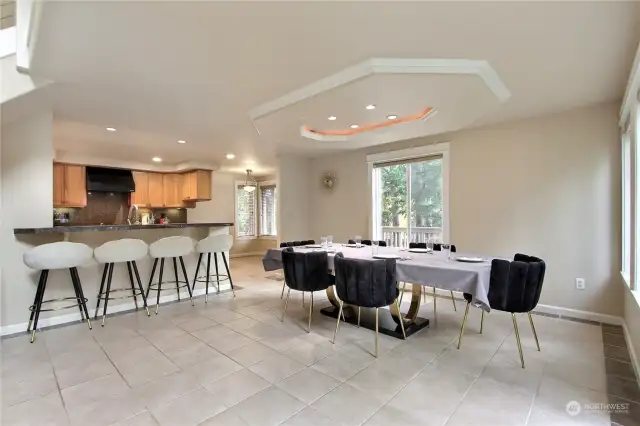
(110, 209)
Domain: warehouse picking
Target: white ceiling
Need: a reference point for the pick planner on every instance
(163, 71)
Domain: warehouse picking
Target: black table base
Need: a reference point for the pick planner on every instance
(386, 324)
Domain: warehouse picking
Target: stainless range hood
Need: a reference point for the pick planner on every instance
(101, 179)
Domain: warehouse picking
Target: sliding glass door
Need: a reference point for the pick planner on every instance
(408, 201)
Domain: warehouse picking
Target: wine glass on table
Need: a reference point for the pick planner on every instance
(358, 240)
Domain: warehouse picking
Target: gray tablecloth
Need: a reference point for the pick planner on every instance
(433, 270)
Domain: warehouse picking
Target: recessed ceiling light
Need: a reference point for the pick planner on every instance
(392, 117)
(370, 106)
(111, 129)
(354, 126)
(231, 156)
(157, 159)
(181, 141)
(333, 117)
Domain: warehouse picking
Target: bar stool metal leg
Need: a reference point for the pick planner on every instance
(153, 272)
(104, 279)
(175, 274)
(453, 299)
(215, 258)
(195, 277)
(226, 265)
(186, 279)
(159, 285)
(133, 289)
(74, 272)
(78, 298)
(35, 299)
(377, 337)
(144, 298)
(39, 305)
(206, 291)
(106, 297)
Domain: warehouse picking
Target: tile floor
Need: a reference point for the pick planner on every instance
(232, 362)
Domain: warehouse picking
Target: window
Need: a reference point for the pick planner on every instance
(409, 196)
(626, 205)
(245, 212)
(268, 209)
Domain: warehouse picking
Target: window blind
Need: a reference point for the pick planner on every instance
(246, 212)
(407, 161)
(268, 210)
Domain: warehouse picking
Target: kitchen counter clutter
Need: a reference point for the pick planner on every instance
(100, 228)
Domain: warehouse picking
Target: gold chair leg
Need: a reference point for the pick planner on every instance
(286, 301)
(404, 286)
(401, 320)
(453, 299)
(424, 294)
(481, 321)
(464, 322)
(434, 303)
(358, 316)
(282, 294)
(310, 312)
(515, 327)
(376, 333)
(533, 328)
(337, 323)
(303, 299)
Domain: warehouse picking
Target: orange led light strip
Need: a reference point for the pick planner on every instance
(369, 127)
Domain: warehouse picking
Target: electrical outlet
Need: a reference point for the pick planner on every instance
(580, 283)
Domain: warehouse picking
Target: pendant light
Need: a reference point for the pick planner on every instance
(250, 183)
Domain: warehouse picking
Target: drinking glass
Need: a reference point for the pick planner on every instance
(374, 247)
(447, 249)
(430, 244)
(329, 240)
(358, 239)
(323, 242)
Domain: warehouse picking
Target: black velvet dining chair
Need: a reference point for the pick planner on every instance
(436, 247)
(294, 244)
(366, 284)
(305, 272)
(515, 287)
(381, 243)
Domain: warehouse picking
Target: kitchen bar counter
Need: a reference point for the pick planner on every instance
(100, 228)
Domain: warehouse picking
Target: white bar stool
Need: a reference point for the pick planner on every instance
(174, 247)
(125, 250)
(61, 255)
(214, 244)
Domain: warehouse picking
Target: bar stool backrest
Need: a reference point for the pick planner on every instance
(215, 244)
(171, 247)
(60, 255)
(123, 250)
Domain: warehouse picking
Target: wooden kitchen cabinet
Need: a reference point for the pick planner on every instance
(141, 195)
(196, 185)
(156, 189)
(69, 185)
(172, 185)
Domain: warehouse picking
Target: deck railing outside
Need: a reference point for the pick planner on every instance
(397, 236)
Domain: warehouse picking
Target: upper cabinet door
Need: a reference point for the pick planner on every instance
(58, 185)
(141, 195)
(75, 183)
(197, 185)
(156, 192)
(172, 183)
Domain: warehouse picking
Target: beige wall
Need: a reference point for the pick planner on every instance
(222, 207)
(293, 203)
(547, 186)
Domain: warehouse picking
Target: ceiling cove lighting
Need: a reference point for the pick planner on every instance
(231, 156)
(111, 129)
(370, 106)
(157, 159)
(182, 142)
(354, 126)
(392, 117)
(332, 118)
(250, 183)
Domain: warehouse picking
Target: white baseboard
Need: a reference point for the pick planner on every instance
(74, 317)
(255, 253)
(576, 313)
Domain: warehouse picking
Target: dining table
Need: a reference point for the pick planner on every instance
(454, 271)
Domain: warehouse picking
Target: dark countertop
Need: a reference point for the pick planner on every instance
(63, 229)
